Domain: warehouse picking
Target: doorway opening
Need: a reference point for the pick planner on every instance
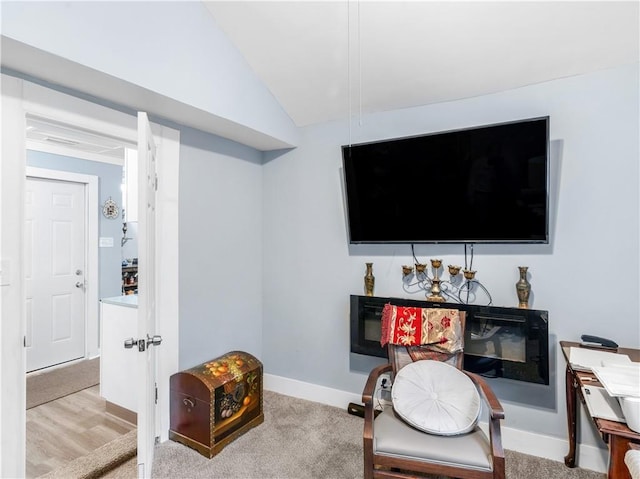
(61, 157)
(23, 99)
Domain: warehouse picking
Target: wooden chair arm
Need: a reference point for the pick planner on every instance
(496, 413)
(370, 385)
(495, 408)
(369, 412)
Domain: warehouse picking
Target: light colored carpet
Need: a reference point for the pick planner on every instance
(106, 458)
(302, 439)
(46, 386)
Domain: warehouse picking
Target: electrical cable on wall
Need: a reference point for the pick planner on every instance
(349, 66)
(349, 81)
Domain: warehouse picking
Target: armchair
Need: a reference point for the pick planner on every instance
(394, 449)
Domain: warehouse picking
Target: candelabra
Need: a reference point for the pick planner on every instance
(457, 289)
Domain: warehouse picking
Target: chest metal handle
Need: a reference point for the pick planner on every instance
(189, 403)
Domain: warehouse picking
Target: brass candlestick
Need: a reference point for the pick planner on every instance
(436, 293)
(407, 270)
(420, 267)
(469, 275)
(454, 270)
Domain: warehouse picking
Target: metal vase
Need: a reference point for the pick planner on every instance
(523, 288)
(369, 280)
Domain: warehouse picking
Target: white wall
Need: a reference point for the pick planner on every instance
(168, 49)
(587, 277)
(220, 248)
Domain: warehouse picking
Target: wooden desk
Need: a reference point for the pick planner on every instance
(616, 435)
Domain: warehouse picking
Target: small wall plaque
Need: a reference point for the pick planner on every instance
(110, 209)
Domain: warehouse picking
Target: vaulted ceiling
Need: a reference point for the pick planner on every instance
(325, 60)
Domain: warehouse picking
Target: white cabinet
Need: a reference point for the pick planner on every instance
(118, 321)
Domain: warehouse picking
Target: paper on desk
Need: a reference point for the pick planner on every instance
(619, 379)
(601, 405)
(585, 359)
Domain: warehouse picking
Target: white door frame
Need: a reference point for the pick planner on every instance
(91, 307)
(19, 99)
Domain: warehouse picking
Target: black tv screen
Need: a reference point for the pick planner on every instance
(486, 184)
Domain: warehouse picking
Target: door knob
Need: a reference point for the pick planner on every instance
(130, 343)
(142, 343)
(79, 284)
(78, 272)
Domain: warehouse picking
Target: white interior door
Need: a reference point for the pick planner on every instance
(55, 263)
(148, 183)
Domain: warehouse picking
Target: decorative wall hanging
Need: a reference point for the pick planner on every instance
(110, 209)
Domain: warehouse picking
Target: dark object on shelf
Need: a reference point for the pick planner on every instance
(130, 279)
(215, 402)
(511, 343)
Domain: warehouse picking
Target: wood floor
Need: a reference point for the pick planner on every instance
(67, 428)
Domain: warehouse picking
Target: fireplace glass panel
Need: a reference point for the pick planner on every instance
(372, 329)
(372, 322)
(501, 339)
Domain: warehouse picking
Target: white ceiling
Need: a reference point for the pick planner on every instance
(398, 54)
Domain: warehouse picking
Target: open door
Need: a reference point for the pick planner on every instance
(148, 341)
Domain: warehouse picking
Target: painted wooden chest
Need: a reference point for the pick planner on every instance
(215, 402)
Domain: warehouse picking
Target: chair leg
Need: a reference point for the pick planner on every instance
(368, 464)
(498, 468)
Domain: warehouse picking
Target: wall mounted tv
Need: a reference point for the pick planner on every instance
(487, 184)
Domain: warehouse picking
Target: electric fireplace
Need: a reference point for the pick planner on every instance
(500, 342)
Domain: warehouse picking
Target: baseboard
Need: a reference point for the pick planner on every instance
(121, 412)
(311, 392)
(548, 447)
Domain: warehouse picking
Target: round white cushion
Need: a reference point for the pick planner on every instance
(436, 397)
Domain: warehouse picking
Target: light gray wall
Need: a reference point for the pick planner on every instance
(109, 181)
(173, 48)
(130, 248)
(587, 277)
(220, 248)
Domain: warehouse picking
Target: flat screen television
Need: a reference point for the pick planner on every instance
(487, 184)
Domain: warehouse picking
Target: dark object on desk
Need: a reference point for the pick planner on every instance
(597, 342)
